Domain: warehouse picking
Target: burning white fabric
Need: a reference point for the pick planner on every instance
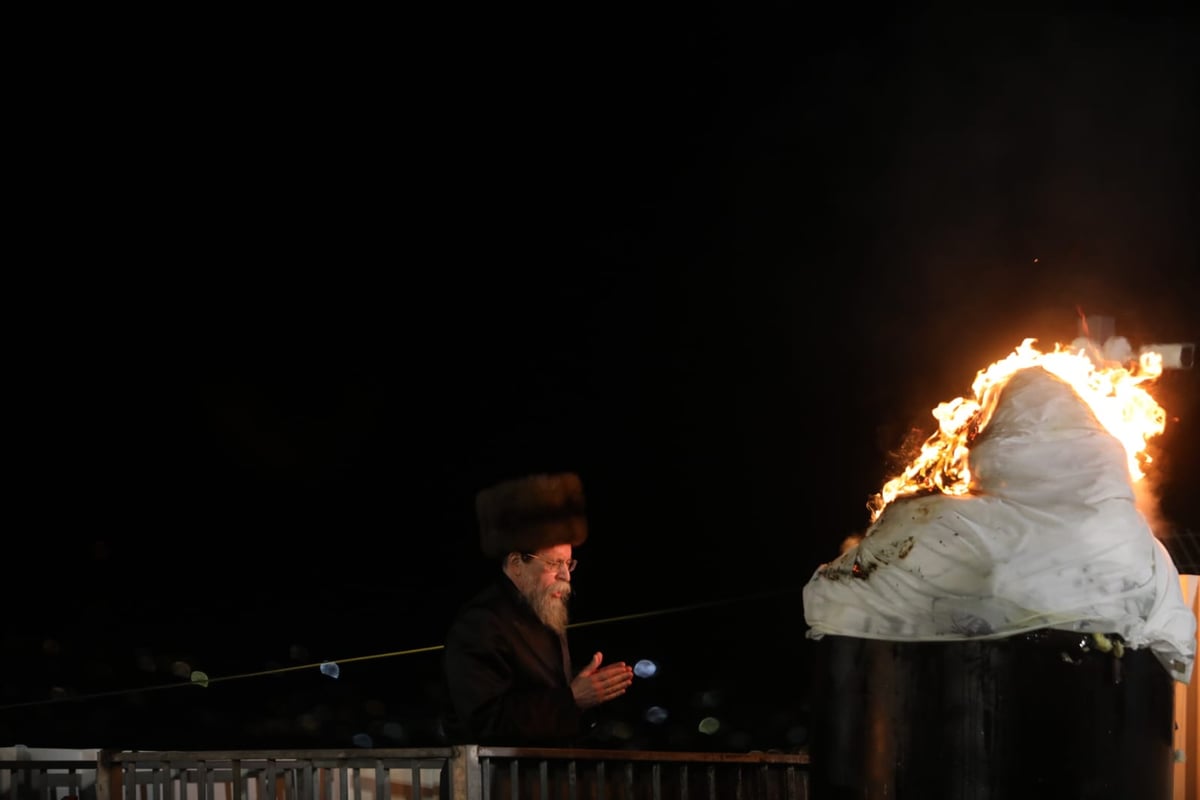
(1048, 536)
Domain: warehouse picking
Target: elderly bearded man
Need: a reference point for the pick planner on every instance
(506, 661)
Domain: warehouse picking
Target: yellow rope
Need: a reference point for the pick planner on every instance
(413, 651)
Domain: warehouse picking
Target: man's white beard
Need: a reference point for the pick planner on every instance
(551, 610)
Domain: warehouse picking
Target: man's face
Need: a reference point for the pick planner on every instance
(544, 586)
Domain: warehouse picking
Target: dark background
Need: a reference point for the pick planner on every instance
(288, 291)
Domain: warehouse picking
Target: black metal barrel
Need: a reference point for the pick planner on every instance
(1047, 714)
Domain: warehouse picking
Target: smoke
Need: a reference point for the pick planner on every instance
(1054, 167)
(1147, 498)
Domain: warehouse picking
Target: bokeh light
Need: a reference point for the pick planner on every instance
(645, 668)
(622, 730)
(797, 735)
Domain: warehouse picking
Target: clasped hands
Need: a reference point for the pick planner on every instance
(595, 684)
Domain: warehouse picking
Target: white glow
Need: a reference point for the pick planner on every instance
(645, 668)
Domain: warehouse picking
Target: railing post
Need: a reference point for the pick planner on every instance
(107, 776)
(464, 777)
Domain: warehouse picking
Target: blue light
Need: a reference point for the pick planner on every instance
(656, 715)
(645, 668)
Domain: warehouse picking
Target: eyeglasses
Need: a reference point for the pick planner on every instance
(555, 566)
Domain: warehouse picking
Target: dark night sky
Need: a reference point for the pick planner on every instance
(301, 287)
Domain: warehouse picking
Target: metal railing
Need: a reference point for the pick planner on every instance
(46, 779)
(510, 772)
(468, 772)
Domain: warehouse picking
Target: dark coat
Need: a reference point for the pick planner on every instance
(508, 676)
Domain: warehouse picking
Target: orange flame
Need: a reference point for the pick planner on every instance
(1113, 392)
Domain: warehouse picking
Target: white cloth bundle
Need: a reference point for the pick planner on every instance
(1049, 536)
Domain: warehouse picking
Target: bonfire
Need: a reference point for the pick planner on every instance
(1020, 513)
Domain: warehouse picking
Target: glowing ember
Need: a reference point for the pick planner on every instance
(1114, 392)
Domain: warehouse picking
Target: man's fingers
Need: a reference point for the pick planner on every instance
(590, 669)
(608, 681)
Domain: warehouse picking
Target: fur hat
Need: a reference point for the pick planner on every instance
(526, 514)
